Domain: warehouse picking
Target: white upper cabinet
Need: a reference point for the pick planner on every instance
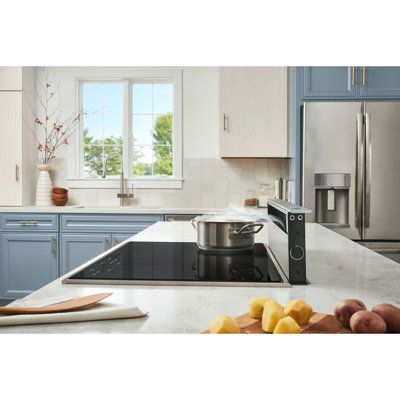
(10, 78)
(17, 147)
(254, 112)
(11, 148)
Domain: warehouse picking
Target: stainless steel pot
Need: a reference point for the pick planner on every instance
(225, 232)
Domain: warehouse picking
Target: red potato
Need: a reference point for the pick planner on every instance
(346, 308)
(367, 322)
(390, 314)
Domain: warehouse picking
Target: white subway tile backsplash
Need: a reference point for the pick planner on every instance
(220, 173)
(207, 183)
(235, 187)
(275, 163)
(261, 174)
(236, 200)
(208, 200)
(221, 200)
(92, 197)
(235, 173)
(220, 186)
(248, 173)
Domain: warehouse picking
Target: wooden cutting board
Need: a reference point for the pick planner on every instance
(69, 305)
(319, 323)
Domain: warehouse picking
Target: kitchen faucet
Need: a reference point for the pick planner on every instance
(121, 195)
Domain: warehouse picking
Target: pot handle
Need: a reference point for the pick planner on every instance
(242, 230)
(193, 224)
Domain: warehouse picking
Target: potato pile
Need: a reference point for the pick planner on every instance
(353, 314)
(274, 318)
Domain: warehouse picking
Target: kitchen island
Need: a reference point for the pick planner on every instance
(337, 268)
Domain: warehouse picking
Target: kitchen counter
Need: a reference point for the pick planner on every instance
(336, 267)
(113, 210)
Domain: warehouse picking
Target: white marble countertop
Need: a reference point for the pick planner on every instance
(336, 267)
(113, 210)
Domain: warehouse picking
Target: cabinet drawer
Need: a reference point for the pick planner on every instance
(29, 222)
(107, 223)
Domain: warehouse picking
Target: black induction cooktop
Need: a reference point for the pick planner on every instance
(179, 263)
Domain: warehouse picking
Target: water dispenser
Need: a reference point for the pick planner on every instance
(332, 199)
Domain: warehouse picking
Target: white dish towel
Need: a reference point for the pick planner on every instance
(96, 312)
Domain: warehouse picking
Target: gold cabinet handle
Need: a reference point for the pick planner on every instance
(364, 75)
(16, 172)
(53, 245)
(105, 242)
(353, 76)
(225, 122)
(30, 223)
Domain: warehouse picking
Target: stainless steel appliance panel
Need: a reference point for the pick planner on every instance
(330, 146)
(382, 171)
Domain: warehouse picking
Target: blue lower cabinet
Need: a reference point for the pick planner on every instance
(28, 262)
(119, 238)
(77, 249)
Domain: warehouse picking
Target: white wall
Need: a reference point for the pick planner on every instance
(208, 180)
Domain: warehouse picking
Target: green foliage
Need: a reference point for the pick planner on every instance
(163, 145)
(94, 154)
(162, 140)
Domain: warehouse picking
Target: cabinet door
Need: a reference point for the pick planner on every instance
(76, 249)
(329, 82)
(119, 238)
(28, 262)
(253, 107)
(11, 148)
(231, 98)
(379, 82)
(10, 78)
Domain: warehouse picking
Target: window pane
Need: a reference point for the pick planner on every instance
(113, 94)
(142, 160)
(162, 129)
(114, 163)
(142, 98)
(162, 157)
(142, 129)
(113, 126)
(93, 127)
(92, 95)
(163, 101)
(93, 160)
(103, 128)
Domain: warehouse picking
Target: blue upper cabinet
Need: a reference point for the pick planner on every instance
(379, 82)
(347, 83)
(329, 83)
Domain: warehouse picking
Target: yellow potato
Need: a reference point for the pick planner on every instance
(287, 325)
(272, 313)
(299, 310)
(224, 324)
(257, 307)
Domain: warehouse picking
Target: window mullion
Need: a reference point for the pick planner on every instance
(127, 129)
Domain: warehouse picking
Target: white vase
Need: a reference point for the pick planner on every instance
(44, 186)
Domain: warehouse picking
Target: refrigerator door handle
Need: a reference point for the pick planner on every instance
(368, 166)
(359, 174)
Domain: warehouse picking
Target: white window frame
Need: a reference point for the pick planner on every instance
(172, 75)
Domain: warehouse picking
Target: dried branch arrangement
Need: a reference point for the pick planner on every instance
(50, 131)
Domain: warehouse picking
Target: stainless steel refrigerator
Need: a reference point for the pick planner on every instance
(351, 170)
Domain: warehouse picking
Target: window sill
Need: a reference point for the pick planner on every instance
(114, 183)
